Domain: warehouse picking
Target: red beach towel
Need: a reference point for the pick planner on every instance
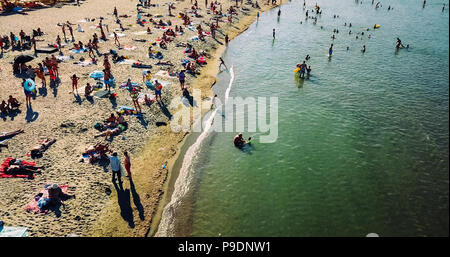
(5, 164)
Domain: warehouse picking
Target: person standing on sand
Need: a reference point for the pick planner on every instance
(127, 164)
(71, 32)
(114, 163)
(75, 83)
(58, 42)
(64, 31)
(158, 88)
(226, 39)
(27, 93)
(40, 74)
(116, 39)
(115, 13)
(181, 77)
(33, 42)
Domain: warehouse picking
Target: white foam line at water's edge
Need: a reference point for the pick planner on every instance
(182, 184)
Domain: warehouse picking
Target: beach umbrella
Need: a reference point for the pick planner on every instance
(23, 58)
(29, 85)
(97, 74)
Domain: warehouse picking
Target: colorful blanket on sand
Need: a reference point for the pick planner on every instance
(5, 164)
(32, 206)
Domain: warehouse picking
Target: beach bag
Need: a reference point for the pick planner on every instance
(121, 171)
(98, 126)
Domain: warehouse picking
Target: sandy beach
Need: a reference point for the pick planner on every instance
(58, 113)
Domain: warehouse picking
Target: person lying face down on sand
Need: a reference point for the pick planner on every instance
(40, 149)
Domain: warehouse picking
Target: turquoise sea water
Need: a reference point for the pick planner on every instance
(362, 145)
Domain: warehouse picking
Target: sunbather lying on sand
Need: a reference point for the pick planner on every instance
(97, 152)
(40, 149)
(16, 167)
(164, 63)
(10, 134)
(109, 133)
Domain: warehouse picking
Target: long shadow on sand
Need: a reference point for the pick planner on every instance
(123, 198)
(137, 200)
(164, 110)
(31, 115)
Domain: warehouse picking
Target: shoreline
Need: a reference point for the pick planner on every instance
(243, 24)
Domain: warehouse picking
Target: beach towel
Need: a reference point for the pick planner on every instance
(84, 63)
(101, 93)
(118, 35)
(127, 61)
(82, 50)
(164, 74)
(5, 164)
(13, 231)
(129, 88)
(125, 110)
(141, 66)
(140, 33)
(32, 206)
(64, 58)
(162, 82)
(128, 47)
(141, 97)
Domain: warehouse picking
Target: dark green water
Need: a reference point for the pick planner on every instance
(362, 145)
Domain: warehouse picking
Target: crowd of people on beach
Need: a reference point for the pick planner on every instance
(68, 44)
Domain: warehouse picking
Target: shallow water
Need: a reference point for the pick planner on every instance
(362, 145)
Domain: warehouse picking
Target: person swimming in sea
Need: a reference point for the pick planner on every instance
(239, 141)
(399, 44)
(363, 50)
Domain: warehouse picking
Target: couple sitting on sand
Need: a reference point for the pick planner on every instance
(10, 106)
(113, 126)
